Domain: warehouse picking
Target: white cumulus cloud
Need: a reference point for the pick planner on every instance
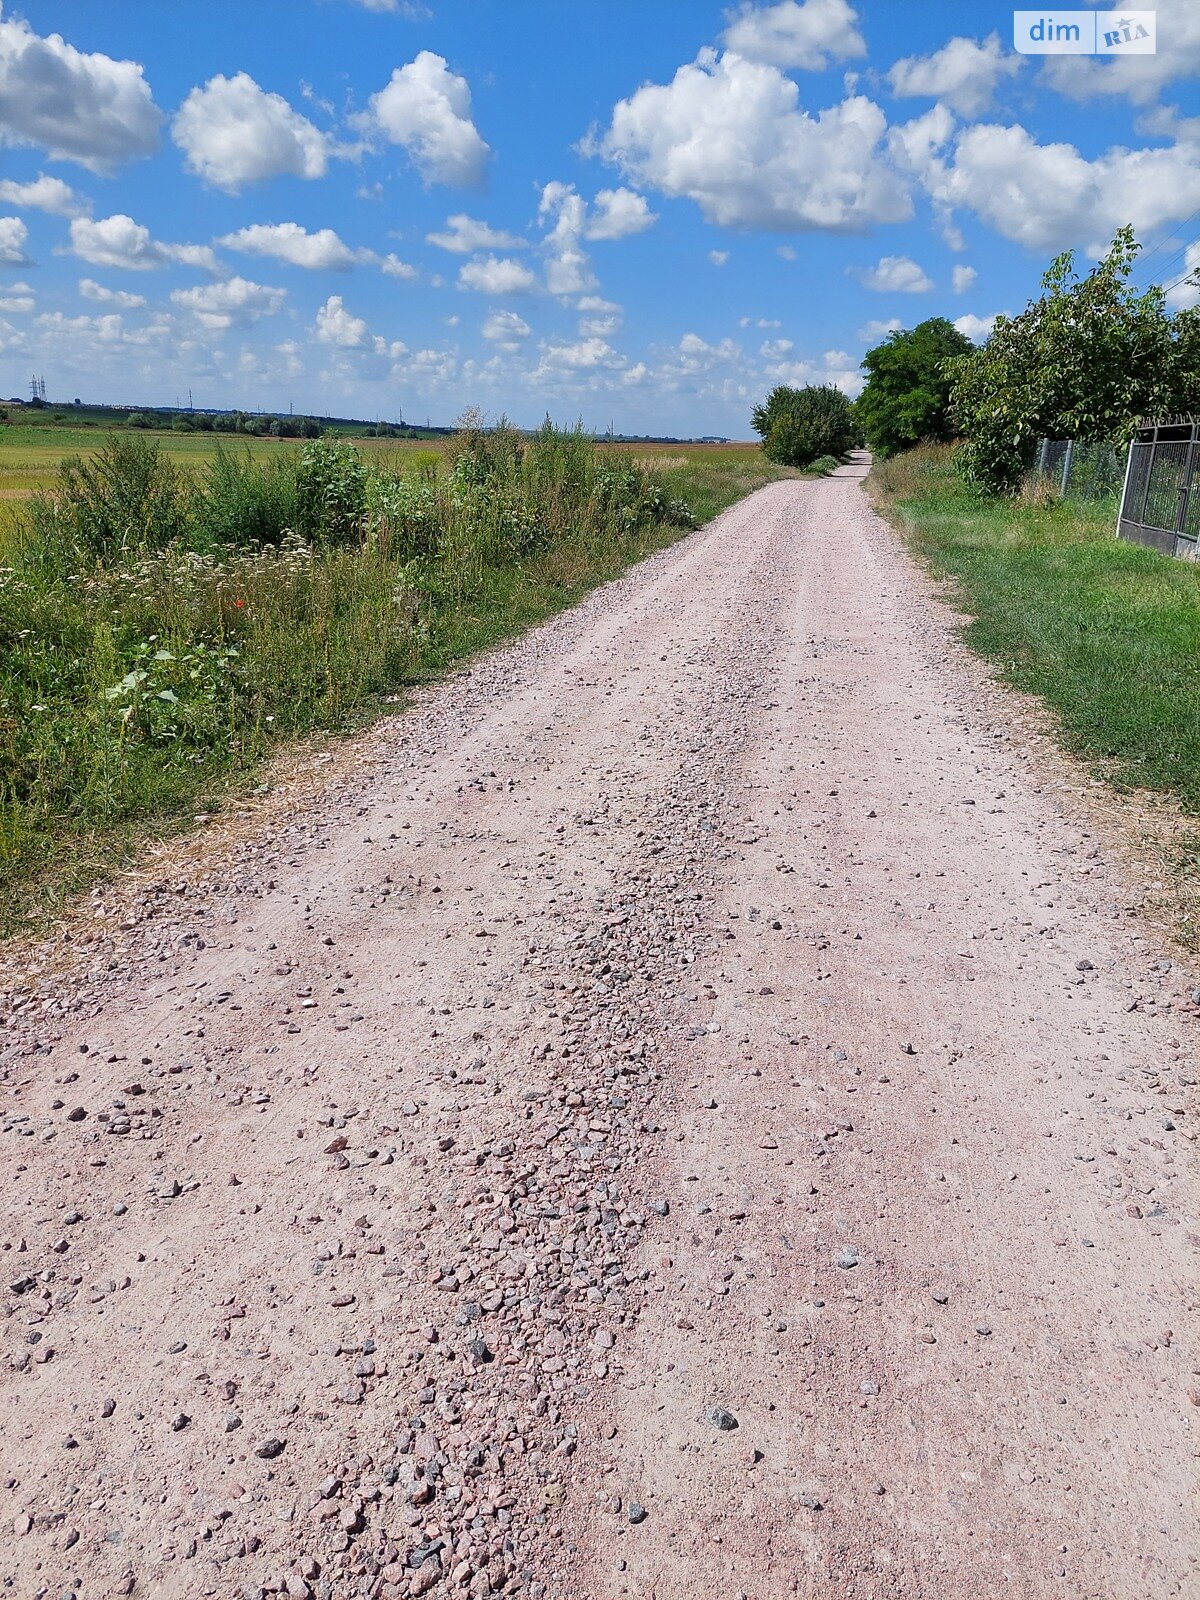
(963, 278)
(731, 135)
(321, 251)
(97, 292)
(497, 275)
(392, 266)
(464, 235)
(235, 302)
(506, 330)
(336, 325)
(1137, 78)
(233, 133)
(718, 257)
(426, 108)
(879, 329)
(581, 356)
(13, 234)
(43, 194)
(976, 328)
(796, 35)
(835, 366)
(340, 328)
(17, 299)
(1049, 196)
(567, 269)
(963, 74)
(118, 241)
(617, 213)
(76, 106)
(894, 275)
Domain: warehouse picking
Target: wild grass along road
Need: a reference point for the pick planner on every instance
(690, 1118)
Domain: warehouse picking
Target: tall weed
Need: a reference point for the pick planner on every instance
(161, 631)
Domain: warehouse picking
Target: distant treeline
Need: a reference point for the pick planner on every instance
(255, 424)
(233, 422)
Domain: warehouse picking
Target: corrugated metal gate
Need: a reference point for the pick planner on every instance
(1160, 506)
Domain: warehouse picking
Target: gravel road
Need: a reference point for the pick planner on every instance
(690, 1114)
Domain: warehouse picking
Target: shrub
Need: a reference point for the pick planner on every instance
(825, 465)
(403, 516)
(126, 497)
(331, 493)
(798, 425)
(242, 503)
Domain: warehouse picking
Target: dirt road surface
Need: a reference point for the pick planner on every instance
(691, 1115)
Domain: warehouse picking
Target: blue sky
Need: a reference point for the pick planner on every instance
(663, 208)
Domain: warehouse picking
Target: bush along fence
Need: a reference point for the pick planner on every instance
(1081, 469)
(1160, 506)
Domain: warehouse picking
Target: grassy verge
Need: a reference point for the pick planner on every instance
(1106, 633)
(163, 631)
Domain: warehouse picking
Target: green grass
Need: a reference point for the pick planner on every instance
(1105, 632)
(141, 683)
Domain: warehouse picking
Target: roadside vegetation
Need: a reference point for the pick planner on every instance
(1106, 632)
(162, 629)
(906, 398)
(806, 427)
(1085, 360)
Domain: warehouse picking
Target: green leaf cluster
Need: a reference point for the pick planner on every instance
(1084, 361)
(799, 425)
(906, 399)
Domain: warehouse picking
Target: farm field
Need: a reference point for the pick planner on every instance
(31, 453)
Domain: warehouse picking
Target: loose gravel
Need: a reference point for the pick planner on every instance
(687, 1115)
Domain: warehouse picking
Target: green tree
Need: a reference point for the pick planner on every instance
(907, 393)
(1084, 361)
(798, 425)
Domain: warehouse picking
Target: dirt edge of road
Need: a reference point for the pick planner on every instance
(1157, 842)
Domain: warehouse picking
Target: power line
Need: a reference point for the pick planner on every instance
(1188, 277)
(1172, 262)
(1154, 249)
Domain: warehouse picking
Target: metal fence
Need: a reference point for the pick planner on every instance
(1081, 469)
(1160, 505)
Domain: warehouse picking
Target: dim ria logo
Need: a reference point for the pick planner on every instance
(1084, 33)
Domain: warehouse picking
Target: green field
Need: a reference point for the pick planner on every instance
(31, 452)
